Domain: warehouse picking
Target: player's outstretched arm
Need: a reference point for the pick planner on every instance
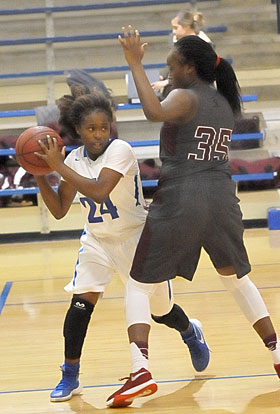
(178, 105)
(133, 51)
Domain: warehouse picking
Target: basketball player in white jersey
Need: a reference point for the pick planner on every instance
(105, 174)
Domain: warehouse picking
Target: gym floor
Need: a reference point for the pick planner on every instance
(240, 378)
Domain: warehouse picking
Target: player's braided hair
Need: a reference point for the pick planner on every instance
(201, 54)
(73, 108)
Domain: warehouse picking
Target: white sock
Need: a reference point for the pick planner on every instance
(276, 353)
(138, 360)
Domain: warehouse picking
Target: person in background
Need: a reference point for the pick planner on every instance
(195, 205)
(105, 174)
(185, 23)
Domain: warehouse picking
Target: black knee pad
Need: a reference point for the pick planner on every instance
(176, 319)
(75, 326)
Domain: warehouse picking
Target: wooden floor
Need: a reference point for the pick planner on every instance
(240, 378)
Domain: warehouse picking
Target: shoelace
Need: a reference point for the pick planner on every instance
(125, 378)
(62, 384)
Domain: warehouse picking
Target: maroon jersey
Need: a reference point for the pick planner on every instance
(195, 205)
(203, 143)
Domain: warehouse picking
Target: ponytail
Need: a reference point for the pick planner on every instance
(228, 86)
(210, 68)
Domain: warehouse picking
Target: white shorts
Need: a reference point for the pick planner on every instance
(99, 259)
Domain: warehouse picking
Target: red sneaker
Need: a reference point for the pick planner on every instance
(277, 369)
(138, 384)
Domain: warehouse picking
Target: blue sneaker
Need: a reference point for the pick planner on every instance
(69, 384)
(200, 353)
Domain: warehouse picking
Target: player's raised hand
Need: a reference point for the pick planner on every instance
(131, 44)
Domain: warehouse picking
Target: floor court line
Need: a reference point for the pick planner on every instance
(221, 378)
(6, 290)
(4, 294)
(70, 277)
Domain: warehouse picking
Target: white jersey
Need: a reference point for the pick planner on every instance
(204, 37)
(123, 210)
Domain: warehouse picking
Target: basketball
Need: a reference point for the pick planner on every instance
(27, 144)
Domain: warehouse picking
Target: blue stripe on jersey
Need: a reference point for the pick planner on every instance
(169, 290)
(77, 262)
(75, 274)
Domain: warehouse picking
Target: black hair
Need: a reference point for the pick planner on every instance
(81, 78)
(73, 108)
(210, 68)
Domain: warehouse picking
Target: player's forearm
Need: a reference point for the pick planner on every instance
(86, 186)
(150, 103)
(50, 197)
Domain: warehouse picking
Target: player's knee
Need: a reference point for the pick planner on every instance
(75, 326)
(161, 305)
(162, 299)
(133, 285)
(176, 319)
(232, 283)
(226, 271)
(91, 297)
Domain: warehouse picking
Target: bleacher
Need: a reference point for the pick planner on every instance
(43, 64)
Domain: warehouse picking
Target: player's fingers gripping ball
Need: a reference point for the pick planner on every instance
(27, 145)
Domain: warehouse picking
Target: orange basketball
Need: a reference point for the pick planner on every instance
(27, 144)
